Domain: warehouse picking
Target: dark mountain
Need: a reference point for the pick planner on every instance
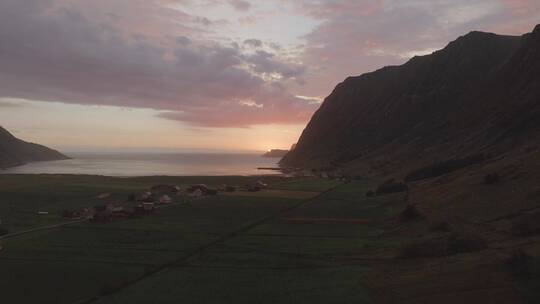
(480, 94)
(14, 152)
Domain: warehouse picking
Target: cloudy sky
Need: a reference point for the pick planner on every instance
(209, 74)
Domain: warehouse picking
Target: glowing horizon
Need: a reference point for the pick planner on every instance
(223, 75)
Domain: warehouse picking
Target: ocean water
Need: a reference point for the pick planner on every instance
(172, 164)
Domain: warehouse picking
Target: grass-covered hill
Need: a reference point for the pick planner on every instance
(14, 152)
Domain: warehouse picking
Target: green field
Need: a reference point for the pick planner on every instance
(234, 248)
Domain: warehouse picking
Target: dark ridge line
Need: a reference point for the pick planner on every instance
(77, 261)
(120, 248)
(307, 236)
(311, 267)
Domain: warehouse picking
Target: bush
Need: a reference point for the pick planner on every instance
(448, 245)
(492, 179)
(520, 264)
(391, 186)
(526, 225)
(3, 230)
(410, 213)
(440, 226)
(111, 287)
(444, 167)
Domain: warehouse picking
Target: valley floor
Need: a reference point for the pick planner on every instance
(304, 240)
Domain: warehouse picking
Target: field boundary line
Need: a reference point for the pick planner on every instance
(201, 249)
(42, 228)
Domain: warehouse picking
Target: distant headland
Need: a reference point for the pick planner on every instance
(276, 153)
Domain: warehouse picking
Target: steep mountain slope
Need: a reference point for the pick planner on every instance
(479, 94)
(14, 152)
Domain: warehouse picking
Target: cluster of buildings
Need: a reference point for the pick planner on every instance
(112, 207)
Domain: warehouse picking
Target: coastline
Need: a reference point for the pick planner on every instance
(159, 164)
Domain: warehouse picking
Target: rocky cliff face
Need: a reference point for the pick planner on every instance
(479, 94)
(14, 152)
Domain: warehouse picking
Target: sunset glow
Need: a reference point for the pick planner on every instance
(228, 75)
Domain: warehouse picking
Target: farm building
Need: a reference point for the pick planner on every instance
(203, 189)
(145, 209)
(165, 199)
(161, 189)
(261, 184)
(103, 195)
(71, 214)
(103, 213)
(146, 197)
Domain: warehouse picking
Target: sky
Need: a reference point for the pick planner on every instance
(209, 75)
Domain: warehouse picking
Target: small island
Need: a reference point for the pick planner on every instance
(276, 153)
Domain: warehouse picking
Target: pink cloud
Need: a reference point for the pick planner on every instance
(518, 7)
(240, 5)
(358, 36)
(75, 54)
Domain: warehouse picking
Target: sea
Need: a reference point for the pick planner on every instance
(151, 164)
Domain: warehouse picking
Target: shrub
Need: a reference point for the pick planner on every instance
(520, 264)
(410, 213)
(492, 179)
(440, 226)
(444, 167)
(459, 243)
(3, 230)
(391, 186)
(526, 225)
(448, 245)
(212, 192)
(111, 287)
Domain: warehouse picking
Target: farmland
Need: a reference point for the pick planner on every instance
(233, 248)
(300, 240)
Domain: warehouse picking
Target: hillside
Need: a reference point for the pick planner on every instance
(459, 132)
(477, 95)
(15, 152)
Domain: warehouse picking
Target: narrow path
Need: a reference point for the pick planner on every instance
(60, 225)
(49, 227)
(199, 250)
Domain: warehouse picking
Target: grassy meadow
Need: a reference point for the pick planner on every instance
(237, 247)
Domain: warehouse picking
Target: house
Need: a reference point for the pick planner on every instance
(196, 193)
(163, 189)
(202, 187)
(253, 188)
(122, 212)
(102, 214)
(165, 199)
(261, 185)
(71, 214)
(146, 197)
(103, 195)
(148, 206)
(227, 188)
(117, 209)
